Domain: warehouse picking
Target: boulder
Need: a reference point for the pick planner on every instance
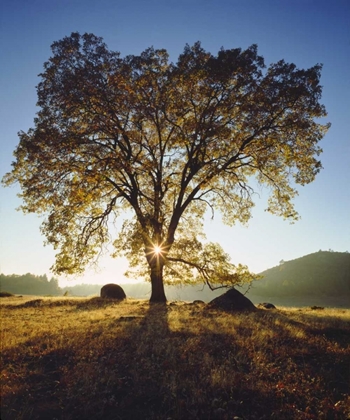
(198, 302)
(266, 305)
(112, 291)
(6, 294)
(232, 301)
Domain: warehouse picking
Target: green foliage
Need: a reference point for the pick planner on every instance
(29, 284)
(321, 273)
(167, 141)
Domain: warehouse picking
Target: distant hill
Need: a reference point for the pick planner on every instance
(323, 273)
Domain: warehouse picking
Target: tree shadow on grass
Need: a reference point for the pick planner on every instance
(36, 381)
(143, 366)
(96, 302)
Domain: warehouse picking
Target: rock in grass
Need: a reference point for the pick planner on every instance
(266, 305)
(232, 301)
(112, 291)
(198, 302)
(6, 294)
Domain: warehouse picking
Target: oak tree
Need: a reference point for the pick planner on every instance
(159, 143)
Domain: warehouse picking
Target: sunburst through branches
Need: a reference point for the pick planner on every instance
(157, 249)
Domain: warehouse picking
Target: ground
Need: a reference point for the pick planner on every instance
(78, 358)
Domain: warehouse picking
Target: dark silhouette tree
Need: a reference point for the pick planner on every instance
(163, 142)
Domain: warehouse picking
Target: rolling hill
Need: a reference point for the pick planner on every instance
(323, 273)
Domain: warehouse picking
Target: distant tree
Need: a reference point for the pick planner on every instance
(53, 286)
(166, 141)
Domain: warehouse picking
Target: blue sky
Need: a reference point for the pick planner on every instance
(305, 32)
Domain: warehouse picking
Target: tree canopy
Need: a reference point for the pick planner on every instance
(163, 142)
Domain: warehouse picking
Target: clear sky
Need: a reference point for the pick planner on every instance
(305, 32)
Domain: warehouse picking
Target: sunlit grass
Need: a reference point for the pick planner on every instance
(82, 358)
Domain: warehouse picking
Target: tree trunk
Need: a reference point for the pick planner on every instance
(158, 294)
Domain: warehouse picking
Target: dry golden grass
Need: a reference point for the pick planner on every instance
(65, 358)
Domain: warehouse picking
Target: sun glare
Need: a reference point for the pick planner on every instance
(157, 249)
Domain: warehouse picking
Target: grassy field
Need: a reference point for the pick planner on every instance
(79, 358)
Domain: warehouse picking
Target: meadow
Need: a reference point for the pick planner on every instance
(82, 358)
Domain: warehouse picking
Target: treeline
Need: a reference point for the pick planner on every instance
(29, 284)
(82, 290)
